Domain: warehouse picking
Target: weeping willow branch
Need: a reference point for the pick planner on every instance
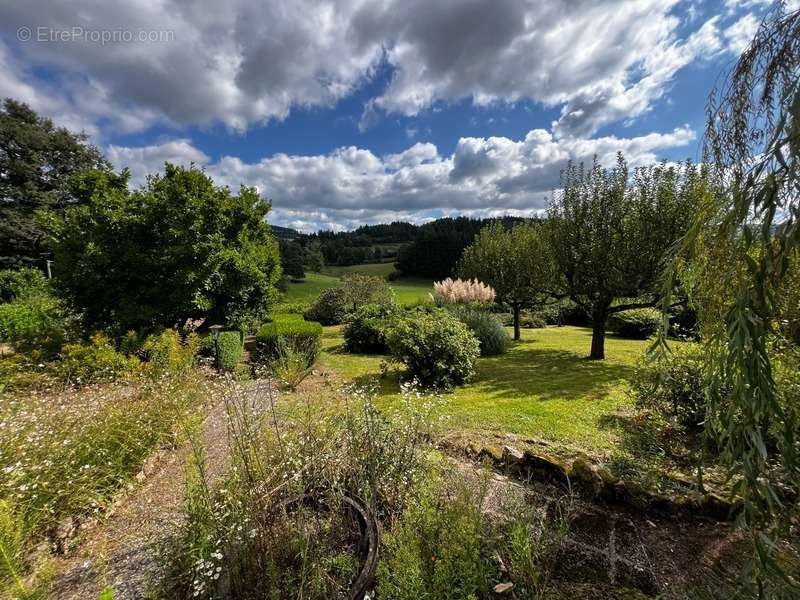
(751, 207)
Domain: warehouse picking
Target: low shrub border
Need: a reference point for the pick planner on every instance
(230, 349)
(298, 335)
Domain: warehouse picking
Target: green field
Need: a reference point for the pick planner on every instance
(376, 269)
(407, 291)
(544, 388)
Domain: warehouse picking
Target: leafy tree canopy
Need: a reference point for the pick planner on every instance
(609, 235)
(37, 160)
(516, 262)
(178, 248)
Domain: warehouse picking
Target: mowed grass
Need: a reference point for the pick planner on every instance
(307, 291)
(376, 269)
(544, 388)
(407, 291)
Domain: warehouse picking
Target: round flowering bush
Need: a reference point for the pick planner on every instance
(438, 349)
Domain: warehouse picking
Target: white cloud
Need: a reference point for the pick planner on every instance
(144, 160)
(351, 186)
(243, 62)
(739, 35)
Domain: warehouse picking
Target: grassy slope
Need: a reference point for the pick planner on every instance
(408, 291)
(543, 388)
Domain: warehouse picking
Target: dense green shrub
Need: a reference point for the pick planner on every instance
(673, 386)
(486, 328)
(20, 284)
(179, 247)
(166, 353)
(95, 362)
(329, 308)
(528, 319)
(230, 349)
(288, 334)
(440, 548)
(438, 349)
(132, 342)
(294, 308)
(365, 331)
(638, 324)
(37, 322)
(683, 323)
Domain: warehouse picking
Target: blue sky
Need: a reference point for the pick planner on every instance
(360, 111)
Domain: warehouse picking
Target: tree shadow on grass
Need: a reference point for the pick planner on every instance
(529, 370)
(526, 372)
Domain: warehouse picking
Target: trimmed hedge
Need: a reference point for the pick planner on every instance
(365, 332)
(288, 330)
(230, 349)
(637, 324)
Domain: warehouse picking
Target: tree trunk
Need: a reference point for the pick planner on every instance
(516, 323)
(599, 316)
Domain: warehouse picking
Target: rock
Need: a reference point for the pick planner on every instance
(717, 507)
(586, 476)
(502, 588)
(543, 467)
(493, 453)
(511, 454)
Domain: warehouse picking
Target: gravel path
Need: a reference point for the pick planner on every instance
(120, 550)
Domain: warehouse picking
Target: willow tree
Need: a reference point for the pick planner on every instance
(752, 143)
(609, 233)
(515, 262)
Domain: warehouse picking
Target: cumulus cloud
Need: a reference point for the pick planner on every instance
(243, 62)
(144, 160)
(350, 186)
(739, 35)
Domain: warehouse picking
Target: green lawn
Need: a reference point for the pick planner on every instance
(544, 388)
(307, 291)
(407, 291)
(376, 269)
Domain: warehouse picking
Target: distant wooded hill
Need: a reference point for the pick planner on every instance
(430, 250)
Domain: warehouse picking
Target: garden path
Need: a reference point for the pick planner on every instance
(121, 551)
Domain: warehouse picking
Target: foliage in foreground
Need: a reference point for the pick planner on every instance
(747, 236)
(64, 456)
(438, 350)
(276, 523)
(445, 546)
